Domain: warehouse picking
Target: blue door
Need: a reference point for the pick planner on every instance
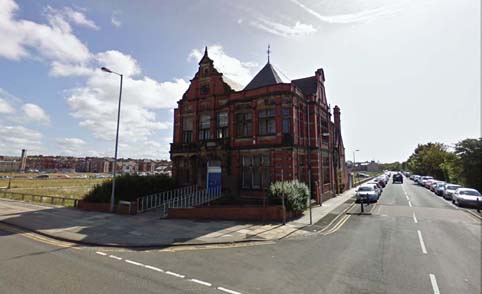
(214, 179)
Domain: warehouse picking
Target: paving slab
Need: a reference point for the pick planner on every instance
(149, 230)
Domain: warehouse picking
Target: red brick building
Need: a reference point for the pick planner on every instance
(269, 130)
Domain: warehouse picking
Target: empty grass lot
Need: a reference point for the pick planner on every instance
(69, 188)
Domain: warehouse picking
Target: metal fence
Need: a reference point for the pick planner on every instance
(180, 198)
(192, 200)
(64, 201)
(154, 201)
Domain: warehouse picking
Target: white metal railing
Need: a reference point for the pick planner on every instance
(157, 200)
(192, 199)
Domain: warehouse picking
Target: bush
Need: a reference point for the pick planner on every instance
(296, 194)
(129, 188)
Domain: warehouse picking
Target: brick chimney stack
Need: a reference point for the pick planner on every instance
(336, 112)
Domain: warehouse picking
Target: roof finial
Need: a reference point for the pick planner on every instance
(206, 50)
(269, 51)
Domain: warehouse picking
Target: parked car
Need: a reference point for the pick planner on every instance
(467, 197)
(397, 178)
(367, 192)
(424, 179)
(449, 190)
(381, 181)
(433, 185)
(378, 187)
(440, 188)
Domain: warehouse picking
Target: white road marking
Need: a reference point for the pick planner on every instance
(174, 274)
(415, 218)
(409, 203)
(154, 268)
(201, 282)
(422, 244)
(115, 257)
(168, 272)
(228, 291)
(433, 280)
(408, 199)
(133, 262)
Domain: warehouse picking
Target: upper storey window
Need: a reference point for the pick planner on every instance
(204, 89)
(267, 122)
(204, 125)
(187, 127)
(244, 124)
(223, 125)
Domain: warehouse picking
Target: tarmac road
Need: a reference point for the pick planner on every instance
(414, 242)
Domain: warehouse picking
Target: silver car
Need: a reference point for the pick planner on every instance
(367, 193)
(449, 191)
(467, 197)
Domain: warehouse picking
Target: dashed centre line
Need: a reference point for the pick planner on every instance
(115, 257)
(415, 218)
(433, 280)
(133, 262)
(228, 291)
(409, 203)
(422, 244)
(154, 268)
(175, 274)
(200, 282)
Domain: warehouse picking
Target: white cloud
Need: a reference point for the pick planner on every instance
(72, 146)
(119, 62)
(72, 142)
(5, 107)
(79, 18)
(279, 29)
(115, 19)
(66, 69)
(95, 103)
(360, 16)
(23, 38)
(15, 138)
(229, 66)
(35, 113)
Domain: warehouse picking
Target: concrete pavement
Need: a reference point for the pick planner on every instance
(148, 230)
(413, 242)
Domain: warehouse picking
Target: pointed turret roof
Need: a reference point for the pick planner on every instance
(265, 77)
(205, 58)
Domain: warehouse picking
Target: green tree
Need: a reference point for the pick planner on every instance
(469, 152)
(427, 159)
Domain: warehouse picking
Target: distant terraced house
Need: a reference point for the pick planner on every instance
(268, 130)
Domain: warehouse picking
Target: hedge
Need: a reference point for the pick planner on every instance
(130, 187)
(296, 194)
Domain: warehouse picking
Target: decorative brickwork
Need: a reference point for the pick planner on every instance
(261, 134)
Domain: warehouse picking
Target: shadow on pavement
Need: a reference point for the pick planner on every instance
(140, 231)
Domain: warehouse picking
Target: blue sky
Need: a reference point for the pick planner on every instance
(403, 72)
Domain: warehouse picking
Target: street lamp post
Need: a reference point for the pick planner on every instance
(354, 163)
(112, 196)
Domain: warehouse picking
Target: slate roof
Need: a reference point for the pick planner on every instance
(265, 77)
(306, 85)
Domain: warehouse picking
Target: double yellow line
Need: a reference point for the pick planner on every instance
(338, 221)
(37, 237)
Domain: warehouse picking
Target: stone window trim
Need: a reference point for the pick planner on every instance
(267, 122)
(204, 126)
(222, 121)
(244, 124)
(255, 171)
